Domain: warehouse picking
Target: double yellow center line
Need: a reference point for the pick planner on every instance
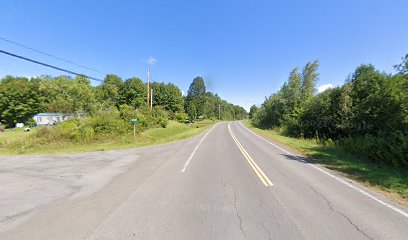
(264, 179)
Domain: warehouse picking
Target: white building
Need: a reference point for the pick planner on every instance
(46, 119)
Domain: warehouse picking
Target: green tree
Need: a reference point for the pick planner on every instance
(310, 76)
(168, 96)
(196, 95)
(253, 110)
(399, 88)
(192, 112)
(197, 88)
(292, 93)
(67, 95)
(176, 100)
(374, 108)
(19, 100)
(211, 105)
(402, 68)
(112, 89)
(134, 92)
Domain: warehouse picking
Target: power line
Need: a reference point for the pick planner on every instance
(49, 55)
(50, 66)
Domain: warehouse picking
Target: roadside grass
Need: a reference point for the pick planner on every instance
(16, 141)
(385, 179)
(14, 134)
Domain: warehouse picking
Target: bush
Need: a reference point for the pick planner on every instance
(160, 117)
(109, 122)
(390, 150)
(182, 117)
(66, 130)
(30, 122)
(127, 112)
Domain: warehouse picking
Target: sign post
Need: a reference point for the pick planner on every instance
(134, 122)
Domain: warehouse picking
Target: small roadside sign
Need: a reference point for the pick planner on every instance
(134, 122)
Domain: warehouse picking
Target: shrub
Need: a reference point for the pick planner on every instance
(160, 117)
(182, 117)
(66, 130)
(109, 122)
(390, 150)
(30, 122)
(127, 112)
(157, 117)
(41, 132)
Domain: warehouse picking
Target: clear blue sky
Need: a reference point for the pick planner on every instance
(243, 49)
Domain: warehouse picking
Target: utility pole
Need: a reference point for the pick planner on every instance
(151, 98)
(148, 87)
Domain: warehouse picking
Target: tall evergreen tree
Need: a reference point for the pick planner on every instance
(196, 95)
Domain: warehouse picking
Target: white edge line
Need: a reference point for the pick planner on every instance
(195, 149)
(331, 175)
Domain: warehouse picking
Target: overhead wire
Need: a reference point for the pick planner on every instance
(50, 55)
(49, 65)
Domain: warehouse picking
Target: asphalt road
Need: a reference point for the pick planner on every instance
(226, 183)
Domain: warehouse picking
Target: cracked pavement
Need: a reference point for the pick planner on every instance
(142, 194)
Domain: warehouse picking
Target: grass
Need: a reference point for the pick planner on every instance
(383, 178)
(16, 141)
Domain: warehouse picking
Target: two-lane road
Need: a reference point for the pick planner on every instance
(227, 183)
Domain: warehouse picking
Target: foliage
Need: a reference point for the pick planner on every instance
(104, 123)
(196, 96)
(341, 159)
(22, 98)
(181, 117)
(309, 79)
(19, 100)
(111, 89)
(368, 115)
(168, 96)
(197, 88)
(191, 111)
(66, 95)
(201, 103)
(402, 68)
(134, 92)
(390, 149)
(147, 118)
(40, 141)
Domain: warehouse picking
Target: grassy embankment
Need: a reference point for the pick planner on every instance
(388, 180)
(16, 141)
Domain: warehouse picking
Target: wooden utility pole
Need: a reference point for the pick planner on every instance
(148, 87)
(151, 98)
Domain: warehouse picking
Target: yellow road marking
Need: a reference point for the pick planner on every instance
(258, 171)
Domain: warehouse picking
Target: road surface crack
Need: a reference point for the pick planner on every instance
(290, 217)
(267, 231)
(329, 204)
(238, 216)
(226, 184)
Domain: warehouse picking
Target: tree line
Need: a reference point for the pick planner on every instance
(367, 115)
(21, 98)
(199, 102)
